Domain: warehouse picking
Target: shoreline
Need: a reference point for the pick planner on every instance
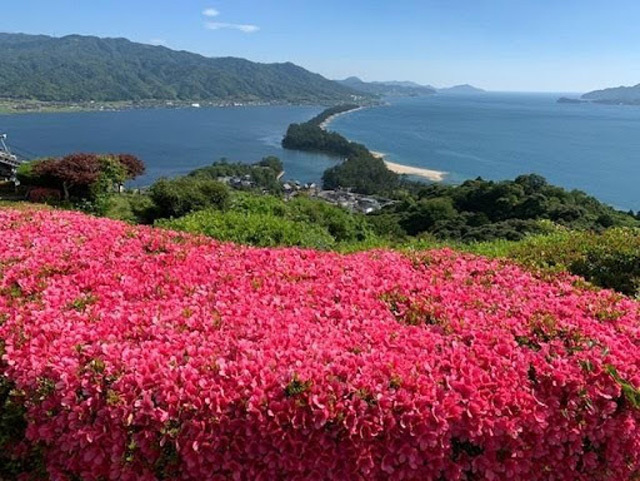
(325, 123)
(13, 107)
(402, 169)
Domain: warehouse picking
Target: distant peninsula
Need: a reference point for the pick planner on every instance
(615, 96)
(84, 69)
(398, 88)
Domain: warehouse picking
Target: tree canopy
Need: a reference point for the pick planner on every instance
(77, 173)
(484, 210)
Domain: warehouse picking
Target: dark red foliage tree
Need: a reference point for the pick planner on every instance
(132, 164)
(78, 170)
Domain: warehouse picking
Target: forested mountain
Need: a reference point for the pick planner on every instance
(80, 68)
(392, 88)
(616, 95)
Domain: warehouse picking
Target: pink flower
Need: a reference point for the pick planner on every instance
(145, 353)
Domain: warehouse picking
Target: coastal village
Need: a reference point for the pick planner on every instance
(344, 198)
(8, 105)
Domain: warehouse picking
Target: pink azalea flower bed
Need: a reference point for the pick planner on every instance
(149, 354)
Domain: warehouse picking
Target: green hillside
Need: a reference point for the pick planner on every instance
(78, 68)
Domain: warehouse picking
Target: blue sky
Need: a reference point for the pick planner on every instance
(521, 45)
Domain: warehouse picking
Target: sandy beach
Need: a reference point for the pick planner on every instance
(434, 175)
(331, 118)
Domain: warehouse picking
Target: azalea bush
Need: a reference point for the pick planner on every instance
(133, 353)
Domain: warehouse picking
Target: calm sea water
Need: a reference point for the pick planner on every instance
(595, 148)
(171, 142)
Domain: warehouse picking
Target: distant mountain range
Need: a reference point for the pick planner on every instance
(80, 68)
(462, 89)
(395, 88)
(616, 95)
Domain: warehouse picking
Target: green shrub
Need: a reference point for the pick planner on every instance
(257, 229)
(12, 429)
(132, 207)
(142, 208)
(273, 163)
(264, 174)
(341, 224)
(178, 197)
(481, 210)
(27, 176)
(387, 226)
(258, 204)
(610, 259)
(424, 214)
(363, 173)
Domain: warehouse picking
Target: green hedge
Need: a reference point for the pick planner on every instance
(610, 259)
(258, 229)
(180, 196)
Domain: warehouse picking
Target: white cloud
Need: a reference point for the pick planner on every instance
(158, 41)
(235, 26)
(210, 12)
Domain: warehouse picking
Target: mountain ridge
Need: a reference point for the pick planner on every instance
(390, 88)
(405, 88)
(89, 68)
(615, 95)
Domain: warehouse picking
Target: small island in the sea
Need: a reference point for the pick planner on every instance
(462, 89)
(568, 100)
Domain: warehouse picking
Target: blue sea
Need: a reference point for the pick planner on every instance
(170, 141)
(595, 148)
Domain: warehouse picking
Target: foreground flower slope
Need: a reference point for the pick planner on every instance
(148, 354)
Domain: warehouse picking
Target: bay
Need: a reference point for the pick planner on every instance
(595, 148)
(170, 141)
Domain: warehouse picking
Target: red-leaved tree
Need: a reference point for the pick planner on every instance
(132, 164)
(78, 172)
